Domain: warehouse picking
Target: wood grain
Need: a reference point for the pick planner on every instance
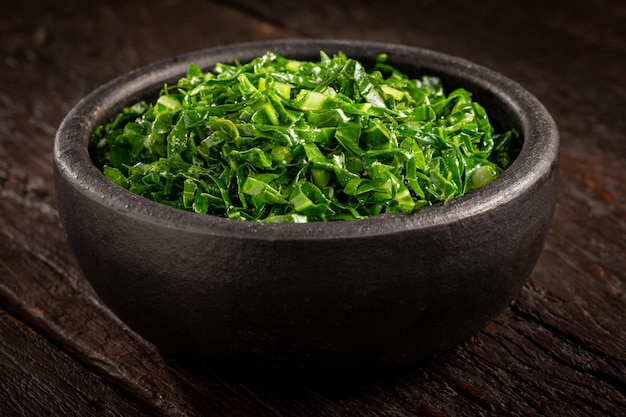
(560, 349)
(42, 380)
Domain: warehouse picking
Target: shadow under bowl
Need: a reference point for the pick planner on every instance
(389, 291)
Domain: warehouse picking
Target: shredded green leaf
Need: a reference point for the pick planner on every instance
(281, 140)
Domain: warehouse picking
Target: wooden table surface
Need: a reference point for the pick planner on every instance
(558, 350)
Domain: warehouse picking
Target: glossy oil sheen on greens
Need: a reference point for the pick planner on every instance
(281, 140)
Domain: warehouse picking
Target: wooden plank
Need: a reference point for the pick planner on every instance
(38, 380)
(558, 350)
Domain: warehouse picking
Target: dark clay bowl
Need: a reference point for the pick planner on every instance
(392, 290)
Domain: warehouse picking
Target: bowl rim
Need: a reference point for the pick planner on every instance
(72, 161)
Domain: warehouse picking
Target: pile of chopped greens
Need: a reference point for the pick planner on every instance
(282, 140)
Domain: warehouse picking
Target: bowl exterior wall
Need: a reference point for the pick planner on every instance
(383, 301)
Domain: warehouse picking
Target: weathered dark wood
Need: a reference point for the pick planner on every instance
(560, 349)
(42, 380)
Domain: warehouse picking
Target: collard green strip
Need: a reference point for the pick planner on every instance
(281, 140)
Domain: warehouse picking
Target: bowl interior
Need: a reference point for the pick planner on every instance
(507, 103)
